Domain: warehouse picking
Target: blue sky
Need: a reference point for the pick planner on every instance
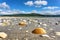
(28, 6)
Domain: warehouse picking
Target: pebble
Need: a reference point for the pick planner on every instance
(46, 36)
(17, 39)
(29, 22)
(20, 28)
(9, 29)
(40, 22)
(57, 33)
(39, 26)
(51, 29)
(45, 24)
(35, 21)
(24, 20)
(25, 38)
(56, 23)
(3, 35)
(26, 31)
(53, 36)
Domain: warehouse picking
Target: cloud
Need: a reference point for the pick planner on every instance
(10, 12)
(29, 3)
(37, 3)
(5, 9)
(47, 12)
(51, 7)
(4, 5)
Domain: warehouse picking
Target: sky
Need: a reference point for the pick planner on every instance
(46, 7)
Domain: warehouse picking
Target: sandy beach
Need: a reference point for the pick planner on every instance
(16, 32)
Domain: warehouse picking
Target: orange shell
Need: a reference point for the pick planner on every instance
(39, 31)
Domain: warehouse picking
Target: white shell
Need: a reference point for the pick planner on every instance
(3, 35)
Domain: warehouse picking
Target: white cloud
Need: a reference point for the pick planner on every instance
(29, 3)
(4, 5)
(37, 3)
(47, 12)
(10, 12)
(51, 7)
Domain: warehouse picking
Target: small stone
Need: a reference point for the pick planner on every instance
(24, 20)
(9, 29)
(51, 29)
(29, 22)
(39, 26)
(45, 35)
(39, 22)
(27, 31)
(20, 28)
(25, 38)
(17, 39)
(53, 36)
(35, 21)
(57, 33)
(56, 23)
(45, 24)
(3, 35)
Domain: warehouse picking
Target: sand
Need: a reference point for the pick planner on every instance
(16, 32)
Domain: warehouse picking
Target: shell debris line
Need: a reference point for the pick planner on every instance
(3, 35)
